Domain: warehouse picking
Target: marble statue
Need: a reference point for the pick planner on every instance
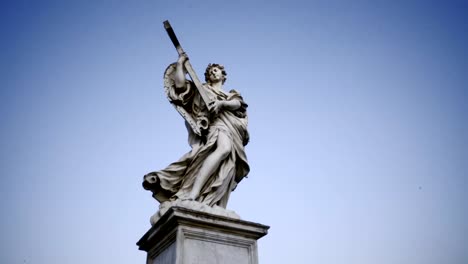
(216, 122)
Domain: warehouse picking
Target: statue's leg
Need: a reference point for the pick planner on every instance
(211, 163)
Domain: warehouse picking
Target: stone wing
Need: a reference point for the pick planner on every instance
(181, 100)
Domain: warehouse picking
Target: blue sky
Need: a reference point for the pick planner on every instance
(357, 114)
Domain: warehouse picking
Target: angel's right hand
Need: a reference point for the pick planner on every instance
(182, 58)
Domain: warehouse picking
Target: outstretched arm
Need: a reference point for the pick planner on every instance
(179, 77)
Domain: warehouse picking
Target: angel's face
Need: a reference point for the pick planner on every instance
(215, 74)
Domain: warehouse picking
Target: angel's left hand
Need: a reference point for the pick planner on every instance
(216, 106)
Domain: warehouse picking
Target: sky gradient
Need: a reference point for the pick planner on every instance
(358, 118)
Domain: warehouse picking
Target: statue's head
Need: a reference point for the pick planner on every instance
(215, 72)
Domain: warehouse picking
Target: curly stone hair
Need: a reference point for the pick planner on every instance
(213, 65)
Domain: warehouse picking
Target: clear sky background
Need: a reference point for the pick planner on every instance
(358, 119)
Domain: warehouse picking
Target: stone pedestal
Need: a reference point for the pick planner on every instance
(184, 236)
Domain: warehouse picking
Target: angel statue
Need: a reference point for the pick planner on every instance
(216, 122)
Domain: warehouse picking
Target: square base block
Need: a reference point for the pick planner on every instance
(184, 236)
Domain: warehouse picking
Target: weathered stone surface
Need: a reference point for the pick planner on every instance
(183, 236)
